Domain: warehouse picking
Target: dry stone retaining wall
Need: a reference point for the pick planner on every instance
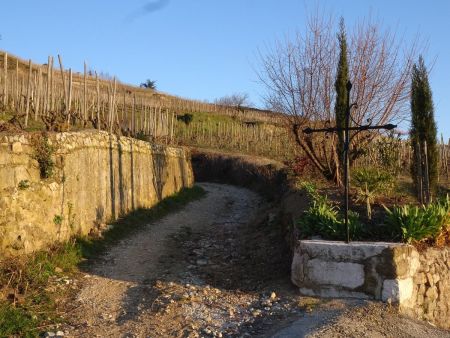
(96, 178)
(431, 292)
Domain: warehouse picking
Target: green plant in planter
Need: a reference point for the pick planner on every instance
(370, 182)
(415, 224)
(323, 218)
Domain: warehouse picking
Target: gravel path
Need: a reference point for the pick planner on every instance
(112, 302)
(216, 269)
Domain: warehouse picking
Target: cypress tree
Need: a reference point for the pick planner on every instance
(340, 85)
(423, 126)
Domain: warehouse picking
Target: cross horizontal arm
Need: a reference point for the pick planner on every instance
(360, 128)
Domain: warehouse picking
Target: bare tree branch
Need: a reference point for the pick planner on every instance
(299, 75)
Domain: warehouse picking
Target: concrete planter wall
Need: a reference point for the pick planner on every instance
(391, 272)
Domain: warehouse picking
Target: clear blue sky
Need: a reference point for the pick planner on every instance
(202, 49)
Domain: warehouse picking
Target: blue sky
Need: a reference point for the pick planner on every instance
(203, 49)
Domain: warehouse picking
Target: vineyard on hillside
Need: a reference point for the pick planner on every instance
(49, 97)
(44, 91)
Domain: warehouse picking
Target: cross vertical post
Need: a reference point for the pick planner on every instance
(346, 159)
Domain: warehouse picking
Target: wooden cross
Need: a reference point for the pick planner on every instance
(347, 130)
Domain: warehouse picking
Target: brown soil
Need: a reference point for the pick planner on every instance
(218, 268)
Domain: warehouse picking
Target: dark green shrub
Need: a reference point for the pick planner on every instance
(186, 118)
(423, 129)
(340, 85)
(148, 84)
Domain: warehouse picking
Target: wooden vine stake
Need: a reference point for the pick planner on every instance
(38, 94)
(133, 116)
(171, 128)
(27, 111)
(69, 100)
(97, 83)
(52, 87)
(5, 80)
(85, 92)
(113, 102)
(47, 88)
(63, 79)
(17, 104)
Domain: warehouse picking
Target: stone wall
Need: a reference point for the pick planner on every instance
(260, 174)
(96, 178)
(431, 292)
(419, 283)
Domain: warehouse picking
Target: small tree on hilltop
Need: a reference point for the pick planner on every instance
(148, 84)
(423, 131)
(340, 107)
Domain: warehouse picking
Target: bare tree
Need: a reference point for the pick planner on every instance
(299, 76)
(238, 101)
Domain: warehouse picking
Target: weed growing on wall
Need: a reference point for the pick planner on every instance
(71, 216)
(24, 184)
(58, 219)
(43, 152)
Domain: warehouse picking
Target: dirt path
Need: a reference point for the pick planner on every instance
(216, 269)
(118, 299)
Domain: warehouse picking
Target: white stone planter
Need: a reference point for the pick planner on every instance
(379, 271)
(419, 283)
